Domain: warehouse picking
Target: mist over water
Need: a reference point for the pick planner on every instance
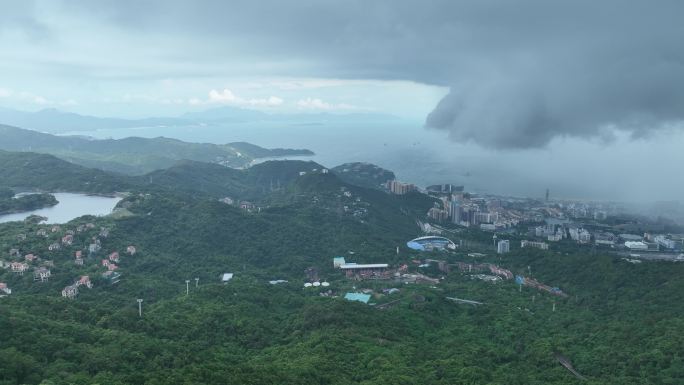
(622, 170)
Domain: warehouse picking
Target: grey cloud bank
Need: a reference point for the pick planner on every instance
(522, 74)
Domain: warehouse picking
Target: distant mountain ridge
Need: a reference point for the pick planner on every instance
(55, 121)
(135, 156)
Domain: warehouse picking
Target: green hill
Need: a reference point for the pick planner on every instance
(620, 324)
(134, 156)
(364, 174)
(28, 171)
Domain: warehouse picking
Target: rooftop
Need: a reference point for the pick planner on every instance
(357, 297)
(364, 266)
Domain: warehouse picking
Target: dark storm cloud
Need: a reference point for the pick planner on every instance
(521, 73)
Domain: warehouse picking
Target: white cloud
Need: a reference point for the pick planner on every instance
(69, 102)
(29, 97)
(5, 93)
(318, 104)
(227, 96)
(33, 98)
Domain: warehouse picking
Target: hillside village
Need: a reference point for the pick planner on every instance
(73, 249)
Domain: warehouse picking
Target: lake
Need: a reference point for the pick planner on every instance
(70, 206)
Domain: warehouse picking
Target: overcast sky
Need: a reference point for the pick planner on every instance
(497, 74)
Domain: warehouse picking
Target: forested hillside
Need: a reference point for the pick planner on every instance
(134, 156)
(620, 323)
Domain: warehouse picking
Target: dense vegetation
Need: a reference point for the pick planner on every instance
(9, 204)
(621, 323)
(134, 156)
(30, 171)
(364, 174)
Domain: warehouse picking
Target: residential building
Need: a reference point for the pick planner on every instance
(70, 291)
(67, 240)
(396, 187)
(114, 257)
(503, 246)
(84, 280)
(5, 289)
(455, 212)
(536, 245)
(94, 248)
(19, 267)
(438, 215)
(41, 274)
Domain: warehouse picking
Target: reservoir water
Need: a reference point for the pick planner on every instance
(70, 206)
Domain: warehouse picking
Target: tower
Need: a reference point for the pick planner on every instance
(547, 194)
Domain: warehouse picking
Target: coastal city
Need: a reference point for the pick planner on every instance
(541, 223)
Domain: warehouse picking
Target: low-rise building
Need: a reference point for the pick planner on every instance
(112, 276)
(70, 291)
(636, 246)
(67, 240)
(225, 277)
(366, 271)
(358, 297)
(114, 257)
(84, 280)
(41, 274)
(5, 289)
(536, 245)
(94, 248)
(667, 243)
(19, 267)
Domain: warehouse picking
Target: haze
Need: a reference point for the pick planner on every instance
(585, 98)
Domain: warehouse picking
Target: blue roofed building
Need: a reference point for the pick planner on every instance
(430, 243)
(357, 297)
